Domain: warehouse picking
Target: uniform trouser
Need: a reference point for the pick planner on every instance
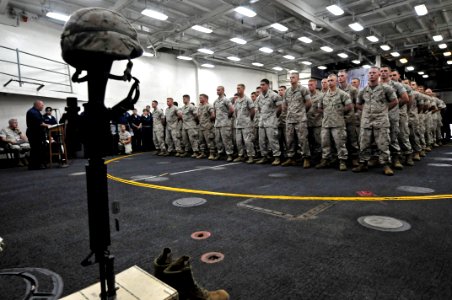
(244, 138)
(301, 130)
(352, 139)
(338, 136)
(268, 140)
(223, 139)
(428, 129)
(136, 140)
(190, 138)
(282, 139)
(413, 125)
(172, 139)
(394, 146)
(159, 139)
(404, 135)
(256, 139)
(315, 140)
(207, 138)
(439, 125)
(36, 151)
(382, 140)
(421, 131)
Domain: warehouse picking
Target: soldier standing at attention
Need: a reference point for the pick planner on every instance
(356, 82)
(206, 115)
(297, 101)
(224, 110)
(334, 104)
(172, 136)
(158, 129)
(190, 130)
(414, 107)
(282, 123)
(255, 125)
(269, 106)
(314, 121)
(324, 84)
(244, 114)
(375, 100)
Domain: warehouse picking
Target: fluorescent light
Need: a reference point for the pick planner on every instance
(233, 58)
(305, 39)
(335, 10)
(279, 27)
(208, 66)
(403, 60)
(277, 68)
(148, 54)
(438, 38)
(356, 61)
(58, 16)
(425, 76)
(395, 54)
(385, 47)
(421, 73)
(410, 68)
(238, 41)
(289, 56)
(321, 67)
(266, 50)
(356, 26)
(205, 50)
(326, 49)
(201, 29)
(449, 62)
(372, 38)
(257, 64)
(293, 71)
(154, 14)
(183, 57)
(447, 53)
(442, 46)
(342, 54)
(421, 10)
(308, 63)
(245, 11)
(366, 67)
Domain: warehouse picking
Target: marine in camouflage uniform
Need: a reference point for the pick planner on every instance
(375, 100)
(158, 129)
(414, 107)
(172, 135)
(190, 130)
(282, 123)
(223, 126)
(256, 125)
(436, 117)
(244, 127)
(206, 117)
(314, 120)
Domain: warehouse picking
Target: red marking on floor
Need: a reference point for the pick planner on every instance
(200, 235)
(212, 257)
(365, 193)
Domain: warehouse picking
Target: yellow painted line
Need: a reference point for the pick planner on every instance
(278, 197)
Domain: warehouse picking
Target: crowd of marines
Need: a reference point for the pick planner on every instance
(390, 122)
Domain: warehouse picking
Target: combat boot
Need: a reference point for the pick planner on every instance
(217, 157)
(161, 263)
(289, 162)
(355, 162)
(422, 154)
(373, 162)
(202, 155)
(342, 165)
(229, 159)
(409, 160)
(211, 156)
(396, 163)
(160, 153)
(155, 152)
(416, 156)
(195, 154)
(435, 145)
(428, 149)
(179, 275)
(239, 159)
(361, 168)
(165, 153)
(276, 161)
(184, 154)
(263, 160)
(306, 163)
(387, 170)
(250, 160)
(323, 164)
(177, 154)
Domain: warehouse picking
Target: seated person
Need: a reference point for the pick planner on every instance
(15, 140)
(125, 140)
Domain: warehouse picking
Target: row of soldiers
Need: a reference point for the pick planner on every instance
(393, 121)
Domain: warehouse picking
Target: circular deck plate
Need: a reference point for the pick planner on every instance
(212, 257)
(384, 223)
(189, 202)
(200, 235)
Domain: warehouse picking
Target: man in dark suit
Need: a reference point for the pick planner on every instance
(36, 135)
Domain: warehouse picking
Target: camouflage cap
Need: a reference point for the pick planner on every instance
(94, 32)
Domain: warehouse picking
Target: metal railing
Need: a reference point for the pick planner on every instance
(19, 77)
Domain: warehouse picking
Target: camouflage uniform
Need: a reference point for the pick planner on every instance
(432, 121)
(404, 130)
(439, 123)
(158, 129)
(315, 124)
(333, 123)
(256, 128)
(244, 126)
(172, 137)
(189, 127)
(296, 122)
(375, 120)
(394, 119)
(413, 121)
(282, 132)
(268, 123)
(223, 126)
(350, 122)
(421, 117)
(428, 122)
(206, 129)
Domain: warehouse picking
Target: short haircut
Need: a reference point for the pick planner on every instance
(295, 73)
(236, 95)
(258, 88)
(342, 71)
(356, 79)
(205, 96)
(175, 103)
(253, 93)
(375, 67)
(386, 66)
(242, 85)
(312, 80)
(283, 87)
(155, 101)
(12, 121)
(266, 81)
(145, 109)
(186, 96)
(48, 108)
(170, 98)
(396, 71)
(332, 75)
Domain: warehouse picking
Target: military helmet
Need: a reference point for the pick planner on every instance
(94, 33)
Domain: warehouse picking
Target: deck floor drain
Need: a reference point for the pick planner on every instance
(212, 257)
(200, 235)
(189, 202)
(277, 175)
(384, 223)
(439, 165)
(415, 189)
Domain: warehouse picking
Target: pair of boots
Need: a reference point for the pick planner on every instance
(178, 274)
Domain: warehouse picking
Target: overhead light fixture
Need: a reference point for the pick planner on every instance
(58, 16)
(442, 46)
(326, 49)
(395, 54)
(208, 66)
(257, 64)
(385, 47)
(205, 51)
(447, 53)
(421, 73)
(279, 27)
(449, 62)
(356, 61)
(245, 11)
(148, 54)
(425, 76)
(335, 10)
(277, 68)
(421, 10)
(201, 29)
(372, 38)
(154, 14)
(238, 41)
(410, 68)
(356, 26)
(321, 67)
(403, 60)
(438, 38)
(233, 58)
(305, 39)
(288, 56)
(342, 54)
(308, 63)
(266, 50)
(366, 67)
(293, 71)
(183, 57)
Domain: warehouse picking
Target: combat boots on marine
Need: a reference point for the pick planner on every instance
(342, 165)
(361, 168)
